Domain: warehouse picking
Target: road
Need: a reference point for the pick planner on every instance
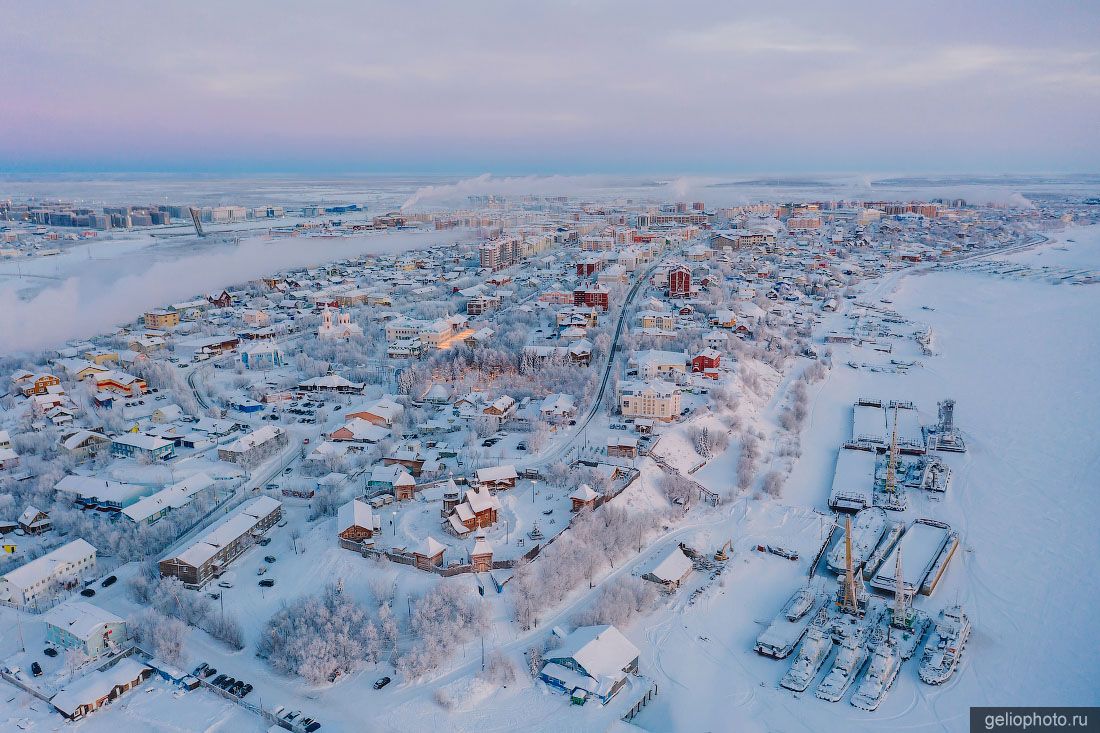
(562, 448)
(562, 615)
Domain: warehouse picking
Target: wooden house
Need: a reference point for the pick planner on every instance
(584, 497)
(429, 554)
(355, 521)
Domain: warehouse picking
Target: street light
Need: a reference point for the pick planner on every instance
(533, 482)
(393, 522)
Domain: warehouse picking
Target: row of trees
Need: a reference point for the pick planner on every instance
(442, 619)
(168, 597)
(595, 540)
(619, 602)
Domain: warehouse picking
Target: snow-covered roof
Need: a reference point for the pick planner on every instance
(80, 618)
(355, 513)
(93, 487)
(430, 547)
(481, 546)
(602, 651)
(481, 500)
(259, 436)
(171, 497)
(97, 685)
(45, 567)
(331, 381)
(141, 441)
(497, 473)
(27, 517)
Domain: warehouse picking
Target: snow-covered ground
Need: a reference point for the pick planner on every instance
(1020, 357)
(1017, 353)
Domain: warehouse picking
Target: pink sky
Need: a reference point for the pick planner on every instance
(550, 87)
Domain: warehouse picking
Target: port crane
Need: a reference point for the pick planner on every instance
(892, 462)
(853, 583)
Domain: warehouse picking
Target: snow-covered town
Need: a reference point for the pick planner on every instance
(497, 473)
(611, 367)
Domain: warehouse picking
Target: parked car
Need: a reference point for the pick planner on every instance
(312, 727)
(209, 672)
(225, 584)
(88, 592)
(218, 680)
(246, 689)
(109, 581)
(50, 651)
(199, 669)
(261, 570)
(269, 558)
(380, 683)
(264, 542)
(267, 582)
(215, 596)
(36, 669)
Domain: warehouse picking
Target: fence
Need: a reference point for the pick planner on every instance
(631, 475)
(446, 571)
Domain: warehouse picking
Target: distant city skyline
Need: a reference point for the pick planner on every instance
(571, 88)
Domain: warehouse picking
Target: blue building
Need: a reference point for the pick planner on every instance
(262, 356)
(136, 445)
(592, 662)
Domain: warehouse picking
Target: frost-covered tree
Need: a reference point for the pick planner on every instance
(159, 635)
(316, 636)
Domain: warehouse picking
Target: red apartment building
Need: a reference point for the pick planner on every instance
(596, 297)
(679, 282)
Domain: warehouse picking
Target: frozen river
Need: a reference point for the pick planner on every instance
(1020, 356)
(89, 288)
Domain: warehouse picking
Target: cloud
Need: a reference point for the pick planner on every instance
(759, 36)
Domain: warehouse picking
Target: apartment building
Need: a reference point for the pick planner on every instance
(655, 399)
(209, 555)
(39, 579)
(162, 319)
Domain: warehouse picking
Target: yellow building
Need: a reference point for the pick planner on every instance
(161, 319)
(654, 399)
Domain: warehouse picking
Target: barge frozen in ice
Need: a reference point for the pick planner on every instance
(853, 480)
(927, 547)
(873, 426)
